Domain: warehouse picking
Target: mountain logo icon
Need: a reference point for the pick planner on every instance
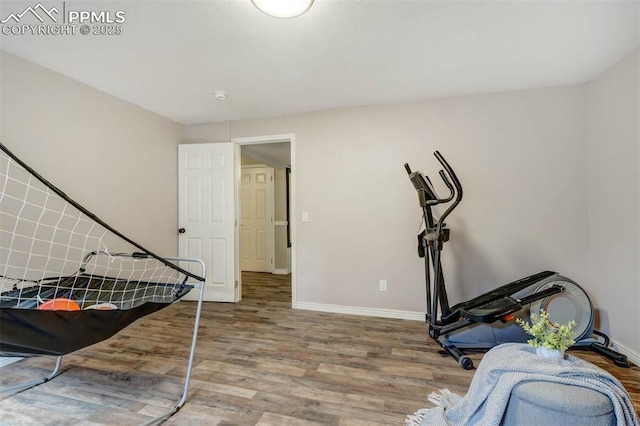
(39, 11)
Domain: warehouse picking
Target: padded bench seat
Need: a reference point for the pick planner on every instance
(548, 403)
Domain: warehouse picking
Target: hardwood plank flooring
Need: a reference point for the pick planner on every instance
(258, 362)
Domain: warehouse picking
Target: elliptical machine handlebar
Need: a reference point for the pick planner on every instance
(456, 188)
(443, 176)
(423, 185)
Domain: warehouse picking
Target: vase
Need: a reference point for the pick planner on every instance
(550, 353)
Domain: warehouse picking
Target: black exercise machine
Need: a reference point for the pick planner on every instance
(487, 320)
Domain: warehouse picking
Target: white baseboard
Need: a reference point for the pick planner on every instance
(633, 357)
(281, 271)
(354, 310)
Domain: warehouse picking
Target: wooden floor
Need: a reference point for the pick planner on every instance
(258, 363)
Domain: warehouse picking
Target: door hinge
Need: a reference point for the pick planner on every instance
(236, 284)
(272, 260)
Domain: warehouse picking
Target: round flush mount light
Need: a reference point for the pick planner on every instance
(220, 95)
(283, 8)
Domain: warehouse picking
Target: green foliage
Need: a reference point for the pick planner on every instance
(548, 334)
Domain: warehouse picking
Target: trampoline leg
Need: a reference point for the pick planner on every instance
(192, 354)
(37, 382)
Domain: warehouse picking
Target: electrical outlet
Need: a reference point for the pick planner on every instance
(383, 285)
(305, 216)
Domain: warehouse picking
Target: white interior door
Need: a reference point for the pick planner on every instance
(257, 226)
(207, 215)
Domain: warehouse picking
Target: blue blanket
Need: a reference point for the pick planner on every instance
(502, 368)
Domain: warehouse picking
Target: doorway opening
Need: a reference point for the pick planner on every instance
(265, 196)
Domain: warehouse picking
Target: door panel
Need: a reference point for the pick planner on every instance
(207, 213)
(257, 219)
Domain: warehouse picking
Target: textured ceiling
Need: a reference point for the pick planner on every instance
(172, 55)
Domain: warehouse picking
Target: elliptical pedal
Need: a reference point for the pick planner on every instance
(492, 311)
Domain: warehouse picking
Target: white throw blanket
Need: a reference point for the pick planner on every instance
(502, 368)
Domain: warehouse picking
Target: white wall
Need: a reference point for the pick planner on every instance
(116, 159)
(522, 160)
(207, 133)
(614, 199)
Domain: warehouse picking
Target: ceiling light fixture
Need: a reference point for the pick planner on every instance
(220, 95)
(283, 8)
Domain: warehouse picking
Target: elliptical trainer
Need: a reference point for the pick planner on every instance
(473, 324)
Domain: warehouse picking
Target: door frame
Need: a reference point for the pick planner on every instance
(254, 140)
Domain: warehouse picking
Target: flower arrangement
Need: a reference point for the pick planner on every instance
(548, 334)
